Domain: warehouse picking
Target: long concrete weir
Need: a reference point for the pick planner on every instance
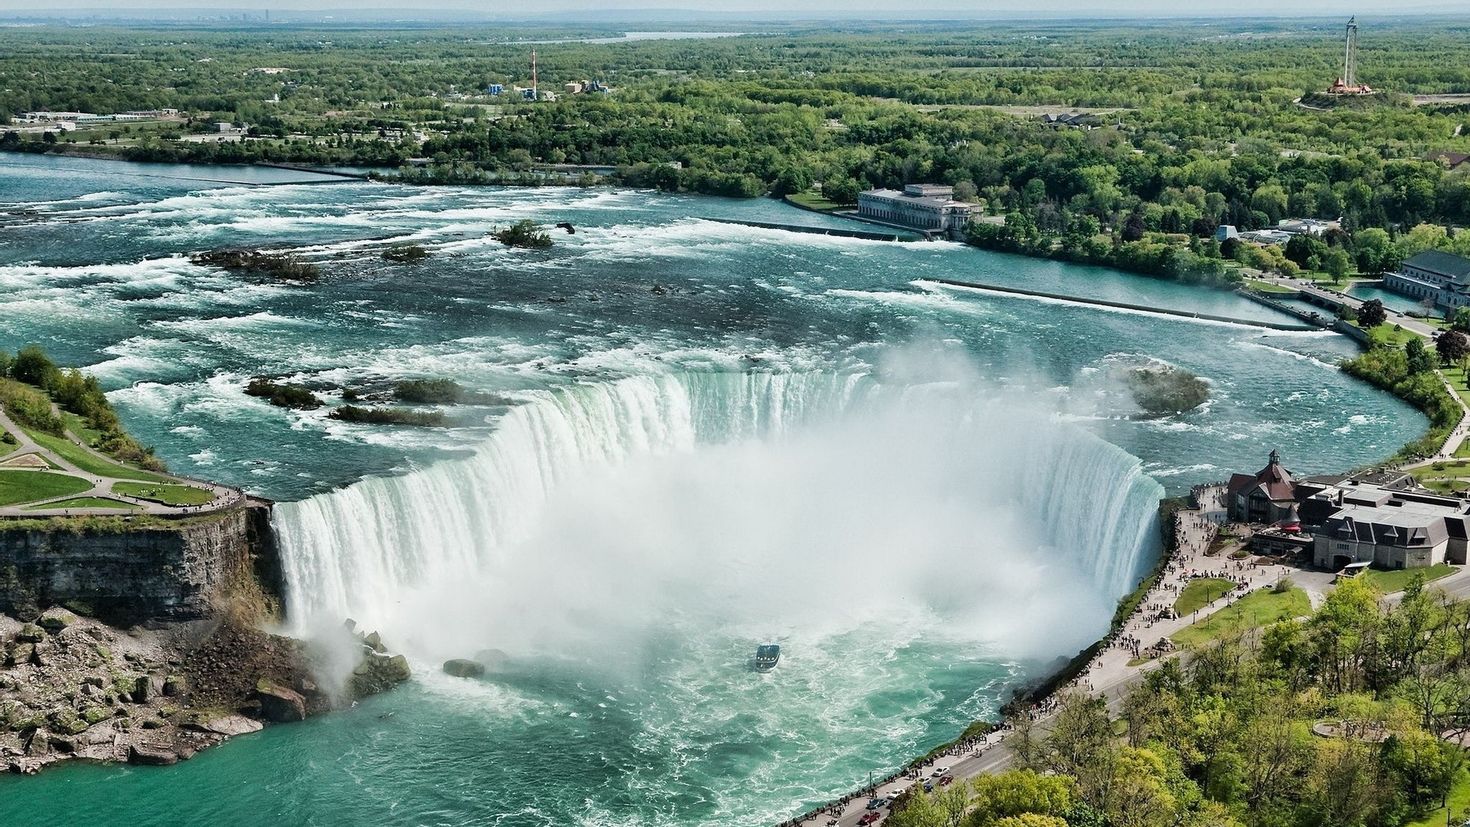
(894, 235)
(1141, 308)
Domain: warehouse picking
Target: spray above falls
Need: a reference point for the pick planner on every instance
(763, 503)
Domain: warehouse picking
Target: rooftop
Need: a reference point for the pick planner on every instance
(915, 199)
(1442, 263)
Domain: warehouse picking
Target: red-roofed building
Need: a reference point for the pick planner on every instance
(1267, 497)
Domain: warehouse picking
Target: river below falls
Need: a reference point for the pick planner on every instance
(696, 437)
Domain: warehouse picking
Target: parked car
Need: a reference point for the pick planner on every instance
(938, 771)
(946, 781)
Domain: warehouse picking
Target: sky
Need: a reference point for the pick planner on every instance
(776, 8)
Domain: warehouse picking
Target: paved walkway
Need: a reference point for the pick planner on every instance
(224, 496)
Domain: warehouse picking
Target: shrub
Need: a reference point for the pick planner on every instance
(523, 233)
(388, 416)
(405, 253)
(296, 397)
(278, 265)
(428, 391)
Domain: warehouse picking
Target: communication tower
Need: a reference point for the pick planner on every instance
(1348, 84)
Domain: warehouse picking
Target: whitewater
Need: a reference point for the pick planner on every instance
(693, 437)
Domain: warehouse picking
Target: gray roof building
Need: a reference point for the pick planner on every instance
(1433, 276)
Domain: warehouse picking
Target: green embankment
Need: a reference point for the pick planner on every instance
(166, 494)
(28, 486)
(1387, 367)
(1389, 582)
(1390, 335)
(1201, 593)
(813, 200)
(1261, 608)
(84, 502)
(90, 462)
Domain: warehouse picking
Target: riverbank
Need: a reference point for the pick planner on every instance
(73, 688)
(1139, 638)
(752, 329)
(133, 601)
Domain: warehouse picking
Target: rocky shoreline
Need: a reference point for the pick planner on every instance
(72, 687)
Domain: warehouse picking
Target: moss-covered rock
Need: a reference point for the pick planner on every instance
(55, 619)
(1161, 390)
(96, 714)
(66, 721)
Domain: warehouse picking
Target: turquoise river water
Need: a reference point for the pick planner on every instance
(695, 437)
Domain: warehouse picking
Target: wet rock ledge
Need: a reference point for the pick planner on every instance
(72, 687)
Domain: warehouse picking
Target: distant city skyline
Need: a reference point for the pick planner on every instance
(476, 9)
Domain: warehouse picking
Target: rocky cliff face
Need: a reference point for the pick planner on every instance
(73, 687)
(126, 574)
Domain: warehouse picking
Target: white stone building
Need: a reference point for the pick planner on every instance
(920, 206)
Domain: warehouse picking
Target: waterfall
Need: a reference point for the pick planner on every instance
(1028, 483)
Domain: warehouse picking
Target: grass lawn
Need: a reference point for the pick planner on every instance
(88, 502)
(78, 426)
(1389, 582)
(1386, 334)
(1200, 593)
(7, 443)
(1255, 610)
(166, 494)
(1456, 378)
(28, 486)
(91, 463)
(813, 200)
(1444, 470)
(1459, 805)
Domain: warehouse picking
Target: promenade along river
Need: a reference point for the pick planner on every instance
(704, 436)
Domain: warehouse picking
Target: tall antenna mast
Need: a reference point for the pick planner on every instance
(1350, 59)
(535, 87)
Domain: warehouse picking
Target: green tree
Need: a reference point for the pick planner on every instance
(34, 367)
(1032, 820)
(1375, 250)
(1020, 791)
(1372, 314)
(1424, 765)
(1460, 319)
(1419, 359)
(1338, 264)
(1452, 347)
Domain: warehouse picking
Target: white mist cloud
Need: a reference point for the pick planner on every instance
(921, 505)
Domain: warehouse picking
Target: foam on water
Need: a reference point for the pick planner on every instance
(704, 441)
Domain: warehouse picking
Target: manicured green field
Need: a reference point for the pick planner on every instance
(28, 486)
(166, 494)
(91, 463)
(1390, 335)
(1389, 582)
(814, 201)
(1201, 593)
(1253, 611)
(86, 502)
